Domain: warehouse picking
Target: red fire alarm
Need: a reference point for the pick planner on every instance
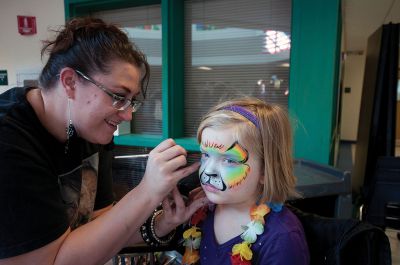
(26, 25)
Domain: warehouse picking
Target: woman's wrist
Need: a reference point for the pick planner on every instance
(149, 234)
(161, 226)
(165, 239)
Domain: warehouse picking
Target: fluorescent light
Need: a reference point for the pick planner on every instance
(205, 68)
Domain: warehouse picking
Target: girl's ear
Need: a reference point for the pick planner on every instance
(262, 179)
(68, 78)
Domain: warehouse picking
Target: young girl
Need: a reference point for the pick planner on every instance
(247, 173)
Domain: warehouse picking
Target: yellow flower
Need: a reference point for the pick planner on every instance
(243, 249)
(257, 213)
(193, 232)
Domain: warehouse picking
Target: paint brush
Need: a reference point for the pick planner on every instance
(132, 156)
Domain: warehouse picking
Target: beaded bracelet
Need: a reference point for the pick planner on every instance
(148, 232)
(146, 238)
(161, 240)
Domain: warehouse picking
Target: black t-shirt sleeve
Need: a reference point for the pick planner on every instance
(32, 211)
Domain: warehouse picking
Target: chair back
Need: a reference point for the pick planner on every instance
(333, 241)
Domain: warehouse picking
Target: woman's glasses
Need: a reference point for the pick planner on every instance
(119, 102)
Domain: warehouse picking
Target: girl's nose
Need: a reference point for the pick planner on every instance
(211, 167)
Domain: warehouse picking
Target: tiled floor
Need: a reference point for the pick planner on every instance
(394, 245)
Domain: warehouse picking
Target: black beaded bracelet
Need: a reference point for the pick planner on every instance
(148, 232)
(146, 238)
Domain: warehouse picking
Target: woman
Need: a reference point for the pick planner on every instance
(55, 150)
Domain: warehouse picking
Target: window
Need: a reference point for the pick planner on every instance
(143, 25)
(232, 49)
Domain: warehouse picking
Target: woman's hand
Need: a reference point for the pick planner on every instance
(165, 167)
(176, 212)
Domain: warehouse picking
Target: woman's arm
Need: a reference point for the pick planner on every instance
(99, 240)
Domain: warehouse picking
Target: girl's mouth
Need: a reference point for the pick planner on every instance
(210, 188)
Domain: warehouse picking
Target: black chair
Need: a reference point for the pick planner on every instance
(382, 207)
(333, 241)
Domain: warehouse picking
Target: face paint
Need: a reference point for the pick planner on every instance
(212, 145)
(209, 176)
(237, 170)
(223, 168)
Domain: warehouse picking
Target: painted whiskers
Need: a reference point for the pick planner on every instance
(241, 252)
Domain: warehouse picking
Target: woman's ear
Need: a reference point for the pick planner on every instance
(68, 78)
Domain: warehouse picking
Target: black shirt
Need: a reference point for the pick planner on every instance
(44, 190)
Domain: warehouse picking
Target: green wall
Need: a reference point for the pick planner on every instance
(315, 53)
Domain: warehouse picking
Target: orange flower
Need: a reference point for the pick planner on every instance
(190, 257)
(257, 213)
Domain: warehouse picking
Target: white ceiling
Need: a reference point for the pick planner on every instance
(362, 17)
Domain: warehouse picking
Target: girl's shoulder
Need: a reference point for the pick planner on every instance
(284, 221)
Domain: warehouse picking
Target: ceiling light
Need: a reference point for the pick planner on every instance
(205, 68)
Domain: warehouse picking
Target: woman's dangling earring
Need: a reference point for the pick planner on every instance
(70, 127)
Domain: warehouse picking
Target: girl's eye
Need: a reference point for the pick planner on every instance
(204, 155)
(231, 161)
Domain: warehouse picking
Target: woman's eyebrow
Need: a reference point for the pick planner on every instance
(126, 89)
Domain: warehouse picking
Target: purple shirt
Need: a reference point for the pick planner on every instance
(283, 242)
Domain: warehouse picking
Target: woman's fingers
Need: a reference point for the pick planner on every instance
(166, 205)
(169, 150)
(164, 145)
(165, 167)
(173, 151)
(186, 171)
(174, 204)
(176, 211)
(173, 164)
(196, 193)
(178, 200)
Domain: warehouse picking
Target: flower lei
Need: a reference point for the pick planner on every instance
(241, 252)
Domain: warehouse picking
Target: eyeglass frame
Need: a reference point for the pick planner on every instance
(135, 104)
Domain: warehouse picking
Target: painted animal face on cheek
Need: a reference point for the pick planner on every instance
(223, 168)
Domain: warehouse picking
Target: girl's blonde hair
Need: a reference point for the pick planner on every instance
(271, 142)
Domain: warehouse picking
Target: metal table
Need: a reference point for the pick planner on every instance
(317, 180)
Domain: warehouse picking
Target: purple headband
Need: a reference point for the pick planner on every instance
(245, 113)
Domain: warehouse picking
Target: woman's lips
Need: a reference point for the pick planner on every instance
(112, 124)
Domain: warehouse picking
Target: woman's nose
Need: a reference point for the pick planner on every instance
(125, 115)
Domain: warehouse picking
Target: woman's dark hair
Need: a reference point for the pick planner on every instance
(90, 44)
